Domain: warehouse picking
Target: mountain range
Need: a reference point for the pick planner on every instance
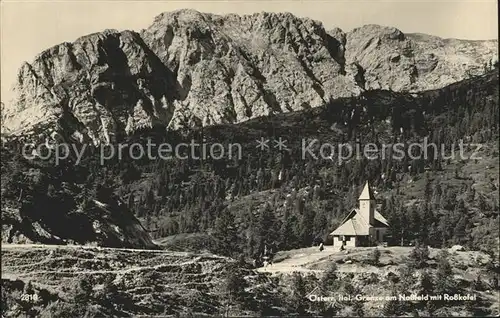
(191, 69)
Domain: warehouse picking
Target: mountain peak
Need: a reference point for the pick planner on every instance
(387, 32)
(181, 13)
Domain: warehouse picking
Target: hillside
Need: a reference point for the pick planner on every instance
(102, 282)
(41, 204)
(56, 281)
(280, 197)
(355, 272)
(442, 201)
(190, 69)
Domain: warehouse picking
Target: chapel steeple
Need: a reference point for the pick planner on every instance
(367, 204)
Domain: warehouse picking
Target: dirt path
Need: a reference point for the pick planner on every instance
(298, 260)
(87, 247)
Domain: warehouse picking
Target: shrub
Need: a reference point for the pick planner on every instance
(418, 257)
(330, 278)
(375, 257)
(393, 307)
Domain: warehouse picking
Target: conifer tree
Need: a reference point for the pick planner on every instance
(297, 300)
(444, 275)
(226, 233)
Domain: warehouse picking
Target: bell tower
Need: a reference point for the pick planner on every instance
(367, 204)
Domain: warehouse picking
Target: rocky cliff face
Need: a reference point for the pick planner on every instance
(190, 68)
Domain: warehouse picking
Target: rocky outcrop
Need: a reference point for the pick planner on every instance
(190, 68)
(102, 226)
(38, 206)
(391, 60)
(101, 84)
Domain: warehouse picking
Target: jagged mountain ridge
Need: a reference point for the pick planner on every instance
(190, 68)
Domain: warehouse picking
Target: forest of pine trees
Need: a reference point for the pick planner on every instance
(276, 197)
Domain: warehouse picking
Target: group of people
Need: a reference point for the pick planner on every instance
(266, 257)
(322, 247)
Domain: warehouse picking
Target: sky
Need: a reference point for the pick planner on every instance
(29, 27)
